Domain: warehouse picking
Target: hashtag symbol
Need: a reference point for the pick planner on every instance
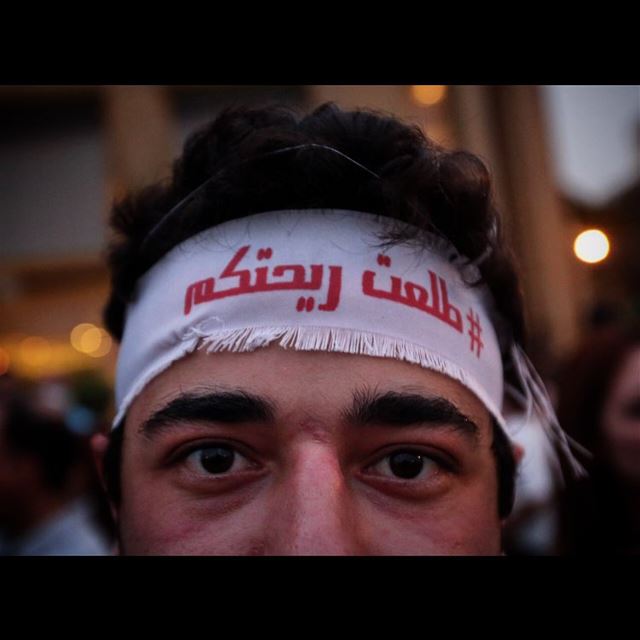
(474, 332)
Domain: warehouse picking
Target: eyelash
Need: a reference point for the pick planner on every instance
(180, 455)
(443, 464)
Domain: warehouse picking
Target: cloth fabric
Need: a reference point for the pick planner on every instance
(313, 280)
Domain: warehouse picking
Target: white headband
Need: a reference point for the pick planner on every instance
(312, 280)
(324, 280)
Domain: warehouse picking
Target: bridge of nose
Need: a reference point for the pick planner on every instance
(313, 508)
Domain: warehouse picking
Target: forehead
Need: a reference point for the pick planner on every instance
(318, 383)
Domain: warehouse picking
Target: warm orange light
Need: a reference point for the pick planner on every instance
(90, 340)
(428, 94)
(4, 361)
(77, 334)
(34, 351)
(591, 246)
(103, 346)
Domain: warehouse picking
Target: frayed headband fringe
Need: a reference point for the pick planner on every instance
(536, 400)
(337, 340)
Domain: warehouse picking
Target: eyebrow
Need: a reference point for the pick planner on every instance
(407, 409)
(368, 408)
(231, 407)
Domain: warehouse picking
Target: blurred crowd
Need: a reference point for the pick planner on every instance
(51, 499)
(597, 397)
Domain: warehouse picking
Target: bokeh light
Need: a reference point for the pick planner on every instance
(103, 347)
(428, 94)
(90, 340)
(76, 335)
(591, 246)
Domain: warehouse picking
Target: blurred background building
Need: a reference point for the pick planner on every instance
(565, 159)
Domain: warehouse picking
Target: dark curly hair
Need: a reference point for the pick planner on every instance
(419, 182)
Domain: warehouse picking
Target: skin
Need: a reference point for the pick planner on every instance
(621, 420)
(308, 481)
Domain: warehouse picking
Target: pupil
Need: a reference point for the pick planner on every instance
(406, 464)
(217, 459)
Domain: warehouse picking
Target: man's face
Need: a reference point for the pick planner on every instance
(285, 452)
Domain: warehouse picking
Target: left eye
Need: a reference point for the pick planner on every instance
(217, 459)
(405, 464)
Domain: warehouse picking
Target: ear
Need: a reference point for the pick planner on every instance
(99, 445)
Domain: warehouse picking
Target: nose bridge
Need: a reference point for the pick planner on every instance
(313, 506)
